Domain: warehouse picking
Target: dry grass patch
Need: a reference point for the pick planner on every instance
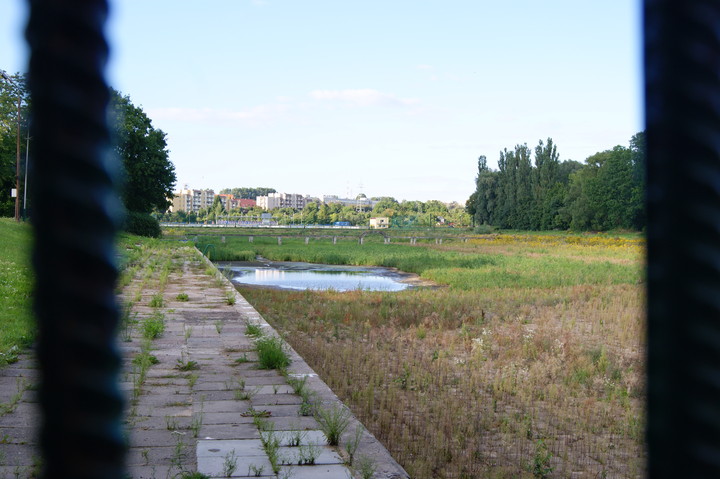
(486, 383)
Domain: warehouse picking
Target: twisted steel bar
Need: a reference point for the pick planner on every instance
(682, 88)
(75, 218)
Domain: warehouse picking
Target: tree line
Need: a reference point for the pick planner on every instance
(403, 213)
(147, 174)
(247, 193)
(540, 192)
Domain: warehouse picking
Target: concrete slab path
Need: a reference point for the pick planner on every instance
(196, 398)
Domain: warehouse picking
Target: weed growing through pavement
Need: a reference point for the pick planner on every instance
(230, 298)
(307, 454)
(272, 353)
(145, 359)
(366, 467)
(219, 326)
(12, 403)
(352, 444)
(128, 321)
(245, 394)
(197, 421)
(255, 471)
(185, 364)
(157, 301)
(271, 444)
(171, 423)
(179, 453)
(295, 437)
(333, 421)
(182, 297)
(253, 330)
(192, 379)
(154, 326)
(309, 398)
(242, 359)
(229, 463)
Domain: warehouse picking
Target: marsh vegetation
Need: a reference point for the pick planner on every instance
(530, 363)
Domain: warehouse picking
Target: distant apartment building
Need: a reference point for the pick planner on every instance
(282, 200)
(189, 200)
(362, 202)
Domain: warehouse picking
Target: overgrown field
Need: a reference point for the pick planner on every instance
(529, 364)
(17, 329)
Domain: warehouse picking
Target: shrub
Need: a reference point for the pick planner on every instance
(141, 224)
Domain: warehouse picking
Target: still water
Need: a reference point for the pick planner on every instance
(299, 276)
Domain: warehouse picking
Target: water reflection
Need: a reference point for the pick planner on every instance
(300, 276)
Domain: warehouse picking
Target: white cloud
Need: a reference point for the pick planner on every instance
(363, 97)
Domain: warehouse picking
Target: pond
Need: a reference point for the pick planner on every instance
(300, 276)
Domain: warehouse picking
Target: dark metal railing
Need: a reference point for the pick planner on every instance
(75, 217)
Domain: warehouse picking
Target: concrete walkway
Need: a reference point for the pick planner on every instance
(204, 405)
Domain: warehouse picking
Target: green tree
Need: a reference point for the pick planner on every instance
(310, 213)
(638, 151)
(149, 175)
(601, 195)
(545, 178)
(386, 206)
(12, 89)
(247, 193)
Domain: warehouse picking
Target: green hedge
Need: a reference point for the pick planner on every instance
(142, 224)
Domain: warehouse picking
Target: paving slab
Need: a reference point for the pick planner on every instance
(229, 431)
(242, 466)
(220, 448)
(304, 437)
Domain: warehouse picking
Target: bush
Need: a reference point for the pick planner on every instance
(141, 224)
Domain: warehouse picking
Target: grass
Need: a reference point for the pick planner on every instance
(530, 362)
(333, 422)
(17, 328)
(272, 353)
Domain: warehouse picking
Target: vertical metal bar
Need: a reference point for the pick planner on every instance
(75, 217)
(682, 88)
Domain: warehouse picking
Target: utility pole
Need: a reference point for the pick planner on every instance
(17, 164)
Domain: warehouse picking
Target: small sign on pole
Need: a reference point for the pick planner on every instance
(13, 193)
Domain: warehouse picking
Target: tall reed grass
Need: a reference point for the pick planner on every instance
(500, 375)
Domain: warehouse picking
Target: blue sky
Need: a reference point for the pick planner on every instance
(384, 97)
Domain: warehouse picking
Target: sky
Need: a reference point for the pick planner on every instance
(382, 97)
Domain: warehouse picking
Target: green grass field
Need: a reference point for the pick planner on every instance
(17, 329)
